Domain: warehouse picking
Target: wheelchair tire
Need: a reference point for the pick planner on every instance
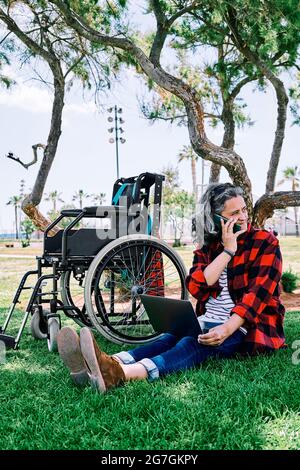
(38, 325)
(72, 295)
(127, 259)
(53, 329)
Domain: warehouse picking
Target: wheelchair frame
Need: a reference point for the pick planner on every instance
(74, 251)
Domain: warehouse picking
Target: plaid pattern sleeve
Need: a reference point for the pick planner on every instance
(260, 304)
(196, 282)
(263, 277)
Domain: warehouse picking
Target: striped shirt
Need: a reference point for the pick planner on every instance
(217, 310)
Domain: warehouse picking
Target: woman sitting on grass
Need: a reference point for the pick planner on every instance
(235, 278)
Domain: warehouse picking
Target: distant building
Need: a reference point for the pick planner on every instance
(283, 222)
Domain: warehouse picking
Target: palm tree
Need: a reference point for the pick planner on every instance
(187, 153)
(54, 197)
(80, 195)
(290, 174)
(15, 201)
(99, 198)
(171, 177)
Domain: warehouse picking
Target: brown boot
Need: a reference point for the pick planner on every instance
(105, 371)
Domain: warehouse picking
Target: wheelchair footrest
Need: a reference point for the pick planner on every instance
(9, 341)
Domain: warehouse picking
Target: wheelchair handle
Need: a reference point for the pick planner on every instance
(71, 212)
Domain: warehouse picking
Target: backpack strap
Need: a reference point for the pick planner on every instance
(119, 194)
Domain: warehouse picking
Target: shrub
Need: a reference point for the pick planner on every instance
(289, 281)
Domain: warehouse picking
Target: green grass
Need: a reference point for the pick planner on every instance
(229, 404)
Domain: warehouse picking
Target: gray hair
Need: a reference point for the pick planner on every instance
(213, 201)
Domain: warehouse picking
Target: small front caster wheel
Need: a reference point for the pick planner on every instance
(38, 324)
(53, 329)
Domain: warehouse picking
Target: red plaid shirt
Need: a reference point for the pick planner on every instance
(253, 283)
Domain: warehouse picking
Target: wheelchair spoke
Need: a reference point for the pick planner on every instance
(137, 266)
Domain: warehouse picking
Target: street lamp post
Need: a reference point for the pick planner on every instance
(117, 130)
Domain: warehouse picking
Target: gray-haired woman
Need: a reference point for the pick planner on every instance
(235, 279)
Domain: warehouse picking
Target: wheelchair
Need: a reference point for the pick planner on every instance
(97, 274)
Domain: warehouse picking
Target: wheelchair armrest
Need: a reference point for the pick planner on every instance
(71, 212)
(103, 211)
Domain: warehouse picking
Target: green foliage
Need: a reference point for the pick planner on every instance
(289, 281)
(7, 47)
(171, 183)
(28, 227)
(54, 214)
(291, 175)
(270, 29)
(80, 60)
(166, 106)
(294, 93)
(179, 205)
(102, 15)
(14, 201)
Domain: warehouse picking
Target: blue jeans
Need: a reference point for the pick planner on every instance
(170, 354)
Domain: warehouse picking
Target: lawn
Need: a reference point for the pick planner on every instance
(230, 404)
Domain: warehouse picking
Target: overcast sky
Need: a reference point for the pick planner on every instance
(85, 159)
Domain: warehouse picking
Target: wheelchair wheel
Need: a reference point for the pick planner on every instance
(38, 324)
(121, 271)
(72, 295)
(53, 329)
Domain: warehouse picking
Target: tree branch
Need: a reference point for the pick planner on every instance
(161, 32)
(195, 113)
(265, 205)
(27, 165)
(210, 25)
(233, 94)
(5, 37)
(12, 26)
(179, 13)
(74, 65)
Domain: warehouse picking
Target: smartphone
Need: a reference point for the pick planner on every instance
(217, 221)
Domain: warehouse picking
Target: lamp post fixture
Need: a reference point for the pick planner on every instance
(115, 111)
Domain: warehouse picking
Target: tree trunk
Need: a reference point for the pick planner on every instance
(228, 138)
(215, 171)
(32, 200)
(282, 102)
(30, 203)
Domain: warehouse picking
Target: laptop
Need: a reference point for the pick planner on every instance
(171, 316)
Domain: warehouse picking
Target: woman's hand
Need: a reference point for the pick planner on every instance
(228, 237)
(216, 336)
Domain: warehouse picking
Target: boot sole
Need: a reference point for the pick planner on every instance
(69, 351)
(88, 352)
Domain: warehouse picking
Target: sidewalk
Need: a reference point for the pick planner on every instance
(18, 256)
